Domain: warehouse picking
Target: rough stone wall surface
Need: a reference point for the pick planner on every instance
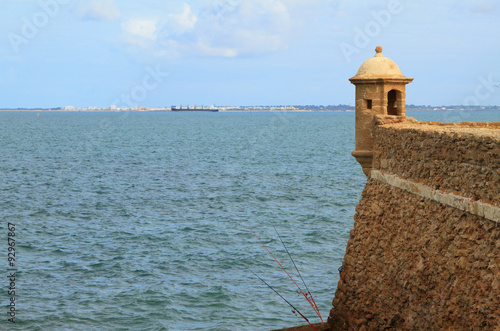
(463, 159)
(413, 263)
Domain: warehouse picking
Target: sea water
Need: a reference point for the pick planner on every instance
(137, 220)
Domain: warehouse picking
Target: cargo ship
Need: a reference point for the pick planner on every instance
(212, 109)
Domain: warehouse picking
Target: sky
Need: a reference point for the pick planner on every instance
(153, 53)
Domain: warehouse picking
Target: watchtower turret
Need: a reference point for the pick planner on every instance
(380, 90)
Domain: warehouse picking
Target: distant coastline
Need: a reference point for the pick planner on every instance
(298, 108)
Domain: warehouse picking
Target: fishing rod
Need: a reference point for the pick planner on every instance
(305, 296)
(315, 307)
(294, 309)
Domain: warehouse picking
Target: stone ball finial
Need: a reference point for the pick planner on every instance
(378, 49)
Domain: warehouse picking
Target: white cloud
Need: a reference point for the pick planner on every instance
(249, 27)
(227, 28)
(184, 21)
(141, 28)
(141, 35)
(98, 10)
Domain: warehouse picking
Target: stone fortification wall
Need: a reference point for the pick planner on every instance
(458, 158)
(424, 253)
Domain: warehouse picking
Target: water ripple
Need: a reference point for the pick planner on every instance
(136, 221)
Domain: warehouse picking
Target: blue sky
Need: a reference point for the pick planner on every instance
(242, 52)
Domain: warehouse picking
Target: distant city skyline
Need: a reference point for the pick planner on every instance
(260, 108)
(89, 53)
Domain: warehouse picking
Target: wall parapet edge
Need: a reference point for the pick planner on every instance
(466, 204)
